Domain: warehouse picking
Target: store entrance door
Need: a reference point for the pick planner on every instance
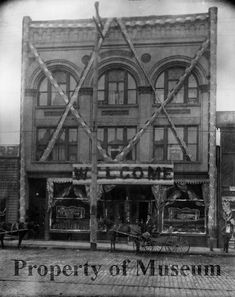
(37, 204)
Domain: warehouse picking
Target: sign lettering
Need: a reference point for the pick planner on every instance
(125, 174)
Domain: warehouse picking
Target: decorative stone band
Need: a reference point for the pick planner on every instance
(160, 20)
(70, 103)
(170, 96)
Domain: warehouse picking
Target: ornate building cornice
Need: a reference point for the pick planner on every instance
(139, 28)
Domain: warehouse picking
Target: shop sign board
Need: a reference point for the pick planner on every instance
(125, 174)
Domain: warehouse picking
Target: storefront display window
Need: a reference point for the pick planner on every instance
(184, 209)
(70, 210)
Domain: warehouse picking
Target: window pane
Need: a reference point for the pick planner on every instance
(61, 138)
(101, 83)
(171, 137)
(111, 134)
(174, 152)
(192, 135)
(116, 75)
(43, 99)
(58, 153)
(44, 136)
(130, 133)
(43, 85)
(193, 150)
(72, 135)
(119, 136)
(175, 73)
(160, 81)
(192, 83)
(100, 96)
(131, 97)
(72, 153)
(160, 95)
(100, 134)
(192, 93)
(131, 82)
(56, 99)
(159, 135)
(158, 153)
(179, 97)
(39, 152)
(60, 77)
(172, 84)
(112, 93)
(72, 84)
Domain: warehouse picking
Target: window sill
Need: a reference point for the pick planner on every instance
(177, 105)
(106, 106)
(53, 162)
(175, 162)
(51, 107)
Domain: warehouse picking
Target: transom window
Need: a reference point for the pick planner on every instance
(167, 80)
(114, 139)
(117, 87)
(47, 94)
(65, 148)
(166, 146)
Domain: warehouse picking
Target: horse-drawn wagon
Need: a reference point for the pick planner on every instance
(149, 241)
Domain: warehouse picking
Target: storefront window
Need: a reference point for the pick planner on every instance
(128, 204)
(184, 209)
(70, 210)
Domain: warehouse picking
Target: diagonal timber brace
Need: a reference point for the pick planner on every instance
(128, 40)
(170, 96)
(70, 103)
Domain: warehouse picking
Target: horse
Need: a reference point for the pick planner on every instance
(17, 229)
(115, 230)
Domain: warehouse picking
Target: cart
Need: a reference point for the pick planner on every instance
(156, 242)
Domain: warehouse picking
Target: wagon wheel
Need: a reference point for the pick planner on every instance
(182, 245)
(147, 245)
(170, 244)
(157, 246)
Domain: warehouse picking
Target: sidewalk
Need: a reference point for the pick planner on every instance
(105, 246)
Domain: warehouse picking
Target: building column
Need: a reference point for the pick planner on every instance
(212, 128)
(24, 64)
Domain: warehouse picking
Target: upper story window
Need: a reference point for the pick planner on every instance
(167, 80)
(117, 87)
(47, 94)
(166, 146)
(65, 148)
(113, 140)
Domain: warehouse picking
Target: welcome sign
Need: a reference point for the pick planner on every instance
(125, 174)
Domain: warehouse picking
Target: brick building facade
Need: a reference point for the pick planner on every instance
(9, 183)
(176, 53)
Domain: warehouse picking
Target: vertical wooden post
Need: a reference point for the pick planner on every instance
(212, 128)
(24, 63)
(93, 202)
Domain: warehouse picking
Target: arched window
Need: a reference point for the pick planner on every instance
(167, 80)
(47, 94)
(117, 86)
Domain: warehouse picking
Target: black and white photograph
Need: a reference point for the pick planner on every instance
(117, 148)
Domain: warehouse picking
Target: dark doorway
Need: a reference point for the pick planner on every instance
(37, 204)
